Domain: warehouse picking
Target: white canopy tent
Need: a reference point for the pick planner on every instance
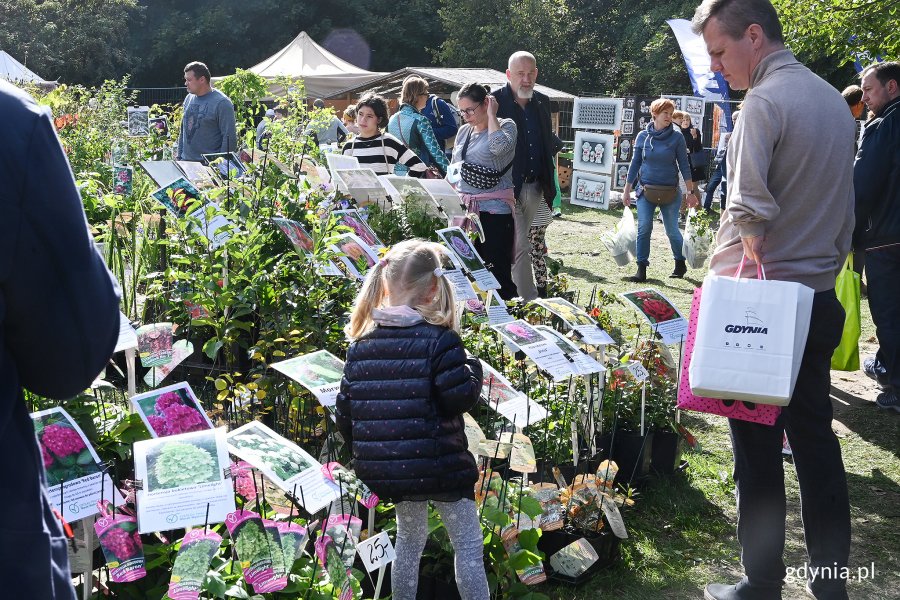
(322, 72)
(15, 72)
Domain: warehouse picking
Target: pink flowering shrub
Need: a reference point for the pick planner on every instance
(121, 543)
(61, 441)
(48, 460)
(183, 419)
(243, 480)
(173, 416)
(166, 400)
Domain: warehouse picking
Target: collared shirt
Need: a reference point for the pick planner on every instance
(533, 142)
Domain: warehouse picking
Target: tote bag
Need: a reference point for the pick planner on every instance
(764, 414)
(846, 355)
(751, 334)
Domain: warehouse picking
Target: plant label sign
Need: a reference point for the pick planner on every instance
(575, 318)
(376, 551)
(183, 478)
(285, 463)
(320, 372)
(638, 370)
(660, 312)
(545, 354)
(74, 480)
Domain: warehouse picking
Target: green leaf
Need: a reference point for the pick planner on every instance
(531, 507)
(212, 347)
(522, 559)
(215, 584)
(236, 591)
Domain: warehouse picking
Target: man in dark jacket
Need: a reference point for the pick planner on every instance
(533, 166)
(876, 180)
(59, 322)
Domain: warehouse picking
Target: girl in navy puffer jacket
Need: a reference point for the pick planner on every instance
(407, 381)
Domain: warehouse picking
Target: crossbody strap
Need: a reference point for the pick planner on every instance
(466, 147)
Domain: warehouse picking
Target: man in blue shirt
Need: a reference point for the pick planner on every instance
(533, 165)
(208, 125)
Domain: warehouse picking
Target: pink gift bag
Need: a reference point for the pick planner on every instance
(764, 414)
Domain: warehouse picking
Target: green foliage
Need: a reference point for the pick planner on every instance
(843, 29)
(193, 560)
(246, 90)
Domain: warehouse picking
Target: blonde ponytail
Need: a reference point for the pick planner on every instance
(410, 268)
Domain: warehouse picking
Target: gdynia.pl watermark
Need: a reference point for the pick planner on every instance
(807, 572)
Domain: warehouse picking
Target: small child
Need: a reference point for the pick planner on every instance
(407, 381)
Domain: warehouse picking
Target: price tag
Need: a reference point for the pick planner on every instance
(638, 370)
(376, 551)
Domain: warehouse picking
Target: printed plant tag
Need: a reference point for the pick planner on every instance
(575, 559)
(521, 458)
(347, 480)
(122, 180)
(613, 516)
(293, 540)
(251, 543)
(279, 579)
(122, 547)
(197, 550)
(155, 344)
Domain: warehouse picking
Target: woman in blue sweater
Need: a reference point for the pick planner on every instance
(660, 153)
(407, 381)
(414, 128)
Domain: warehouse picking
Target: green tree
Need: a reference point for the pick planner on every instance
(842, 29)
(80, 41)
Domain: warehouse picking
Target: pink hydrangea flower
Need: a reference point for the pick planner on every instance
(48, 460)
(243, 480)
(61, 440)
(183, 419)
(158, 424)
(166, 400)
(120, 543)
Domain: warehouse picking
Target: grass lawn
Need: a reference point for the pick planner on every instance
(682, 530)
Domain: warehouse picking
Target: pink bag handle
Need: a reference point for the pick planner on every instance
(760, 270)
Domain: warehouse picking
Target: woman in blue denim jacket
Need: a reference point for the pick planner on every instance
(414, 128)
(660, 153)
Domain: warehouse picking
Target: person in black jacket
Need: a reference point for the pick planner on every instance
(876, 181)
(534, 165)
(59, 321)
(407, 381)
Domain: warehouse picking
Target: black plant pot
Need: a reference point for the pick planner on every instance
(666, 454)
(569, 471)
(605, 543)
(632, 453)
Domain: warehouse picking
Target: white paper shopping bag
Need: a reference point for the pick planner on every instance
(751, 334)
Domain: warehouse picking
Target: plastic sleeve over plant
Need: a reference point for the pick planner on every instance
(197, 550)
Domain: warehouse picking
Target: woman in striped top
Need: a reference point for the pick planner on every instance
(375, 150)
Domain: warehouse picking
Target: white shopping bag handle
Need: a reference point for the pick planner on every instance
(760, 270)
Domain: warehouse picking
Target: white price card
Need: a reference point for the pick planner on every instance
(638, 370)
(376, 551)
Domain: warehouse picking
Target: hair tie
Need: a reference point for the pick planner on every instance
(438, 272)
(383, 262)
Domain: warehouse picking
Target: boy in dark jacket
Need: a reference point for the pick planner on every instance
(407, 381)
(59, 322)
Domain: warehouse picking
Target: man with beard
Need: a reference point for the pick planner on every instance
(533, 166)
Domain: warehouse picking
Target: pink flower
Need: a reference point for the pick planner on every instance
(242, 473)
(61, 440)
(48, 460)
(120, 543)
(183, 419)
(158, 424)
(166, 400)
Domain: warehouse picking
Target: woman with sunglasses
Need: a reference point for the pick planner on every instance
(414, 128)
(487, 145)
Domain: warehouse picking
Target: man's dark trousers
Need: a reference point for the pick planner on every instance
(883, 281)
(759, 474)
